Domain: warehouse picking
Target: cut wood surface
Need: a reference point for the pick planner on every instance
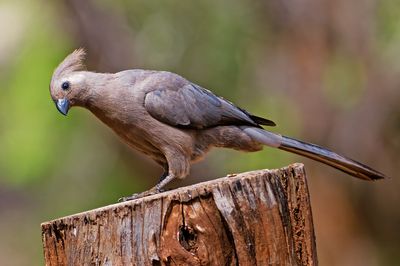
(255, 218)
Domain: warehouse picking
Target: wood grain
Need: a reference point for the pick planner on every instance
(254, 218)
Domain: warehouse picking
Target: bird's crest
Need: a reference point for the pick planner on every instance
(73, 62)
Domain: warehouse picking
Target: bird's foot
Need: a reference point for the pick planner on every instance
(154, 190)
(146, 193)
(138, 195)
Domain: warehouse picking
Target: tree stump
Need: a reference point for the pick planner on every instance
(255, 218)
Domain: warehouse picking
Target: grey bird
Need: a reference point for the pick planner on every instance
(174, 121)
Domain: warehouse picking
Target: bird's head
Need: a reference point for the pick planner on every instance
(68, 82)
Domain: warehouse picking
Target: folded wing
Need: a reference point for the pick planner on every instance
(194, 107)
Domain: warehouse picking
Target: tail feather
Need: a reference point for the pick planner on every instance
(331, 158)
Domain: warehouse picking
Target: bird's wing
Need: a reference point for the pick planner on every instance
(191, 106)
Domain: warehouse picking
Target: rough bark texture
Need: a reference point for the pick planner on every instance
(255, 218)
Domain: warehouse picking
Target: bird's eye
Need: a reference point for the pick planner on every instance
(65, 85)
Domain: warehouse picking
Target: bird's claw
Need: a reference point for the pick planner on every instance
(140, 195)
(136, 196)
(123, 199)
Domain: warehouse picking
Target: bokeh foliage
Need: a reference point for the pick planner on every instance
(327, 73)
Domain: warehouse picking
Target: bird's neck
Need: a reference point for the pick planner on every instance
(93, 88)
(105, 93)
(101, 95)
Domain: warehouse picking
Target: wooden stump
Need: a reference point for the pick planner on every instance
(255, 218)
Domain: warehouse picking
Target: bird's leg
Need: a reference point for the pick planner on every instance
(164, 180)
(164, 175)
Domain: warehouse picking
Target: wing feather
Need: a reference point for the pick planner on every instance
(192, 106)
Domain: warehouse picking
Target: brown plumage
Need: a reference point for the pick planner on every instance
(174, 121)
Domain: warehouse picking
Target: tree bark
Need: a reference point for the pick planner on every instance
(254, 218)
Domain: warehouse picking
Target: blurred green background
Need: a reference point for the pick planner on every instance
(326, 71)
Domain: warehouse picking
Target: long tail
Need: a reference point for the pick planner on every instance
(315, 152)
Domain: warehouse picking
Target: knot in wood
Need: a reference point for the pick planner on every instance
(187, 238)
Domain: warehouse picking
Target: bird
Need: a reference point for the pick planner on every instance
(174, 121)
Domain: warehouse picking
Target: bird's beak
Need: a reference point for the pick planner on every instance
(62, 106)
